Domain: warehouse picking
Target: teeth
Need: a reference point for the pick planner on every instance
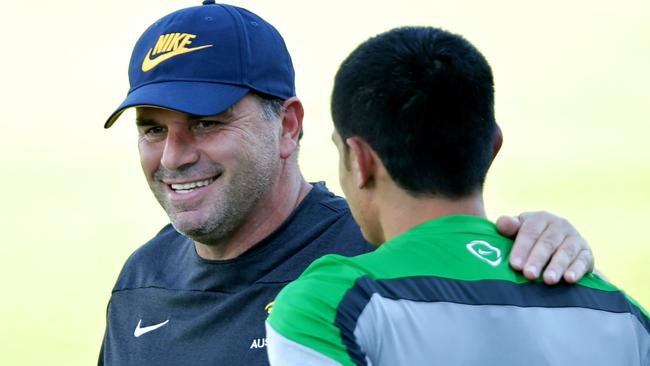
(188, 187)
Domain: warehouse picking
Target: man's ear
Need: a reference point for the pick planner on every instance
(362, 161)
(498, 141)
(292, 114)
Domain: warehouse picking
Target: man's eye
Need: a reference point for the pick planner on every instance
(155, 131)
(204, 124)
(152, 133)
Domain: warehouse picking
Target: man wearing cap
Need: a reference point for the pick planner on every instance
(219, 125)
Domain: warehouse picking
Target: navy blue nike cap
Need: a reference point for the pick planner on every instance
(203, 59)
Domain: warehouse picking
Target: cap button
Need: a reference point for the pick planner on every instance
(208, 2)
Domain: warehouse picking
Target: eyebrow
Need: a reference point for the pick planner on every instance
(142, 122)
(225, 115)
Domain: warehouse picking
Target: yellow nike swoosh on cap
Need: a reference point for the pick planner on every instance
(148, 63)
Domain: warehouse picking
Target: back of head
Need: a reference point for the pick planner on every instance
(423, 99)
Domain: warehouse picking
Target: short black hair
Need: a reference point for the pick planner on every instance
(423, 99)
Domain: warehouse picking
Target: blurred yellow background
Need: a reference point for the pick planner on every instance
(572, 83)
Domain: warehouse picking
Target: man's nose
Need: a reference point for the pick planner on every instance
(180, 150)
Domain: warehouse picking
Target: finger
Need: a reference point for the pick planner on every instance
(544, 247)
(582, 265)
(531, 228)
(564, 256)
(508, 225)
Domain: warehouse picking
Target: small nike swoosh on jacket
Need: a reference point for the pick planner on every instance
(142, 330)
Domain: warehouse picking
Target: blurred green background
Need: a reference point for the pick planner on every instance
(572, 99)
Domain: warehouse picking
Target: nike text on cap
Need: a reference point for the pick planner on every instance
(203, 59)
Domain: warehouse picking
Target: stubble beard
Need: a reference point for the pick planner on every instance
(235, 204)
(239, 201)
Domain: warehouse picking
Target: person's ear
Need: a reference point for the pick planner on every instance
(292, 114)
(498, 141)
(362, 162)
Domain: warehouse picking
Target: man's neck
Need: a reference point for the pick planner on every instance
(400, 212)
(282, 199)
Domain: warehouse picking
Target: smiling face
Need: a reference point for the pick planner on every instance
(209, 173)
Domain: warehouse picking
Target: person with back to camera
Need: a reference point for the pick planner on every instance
(413, 111)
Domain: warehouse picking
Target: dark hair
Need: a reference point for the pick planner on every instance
(423, 99)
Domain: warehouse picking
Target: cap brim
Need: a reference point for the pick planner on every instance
(191, 97)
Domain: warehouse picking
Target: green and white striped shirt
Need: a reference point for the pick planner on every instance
(443, 293)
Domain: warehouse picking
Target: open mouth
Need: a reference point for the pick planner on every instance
(184, 188)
